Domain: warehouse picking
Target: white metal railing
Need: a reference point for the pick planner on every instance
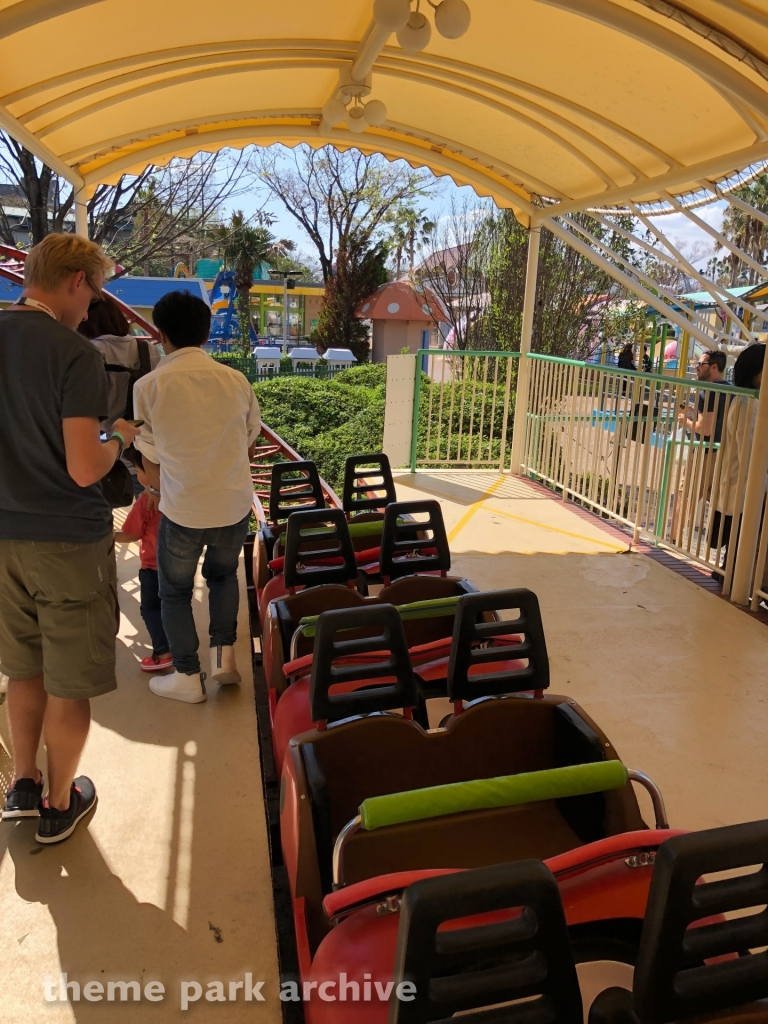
(624, 444)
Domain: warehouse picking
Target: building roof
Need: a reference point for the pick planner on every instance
(339, 355)
(146, 291)
(304, 352)
(592, 102)
(268, 352)
(400, 300)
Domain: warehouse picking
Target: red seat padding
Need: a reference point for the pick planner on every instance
(362, 892)
(293, 715)
(361, 557)
(273, 589)
(304, 663)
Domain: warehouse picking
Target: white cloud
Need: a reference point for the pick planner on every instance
(680, 229)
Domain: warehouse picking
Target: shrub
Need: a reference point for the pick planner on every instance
(327, 420)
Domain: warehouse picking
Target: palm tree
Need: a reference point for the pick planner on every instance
(409, 226)
(748, 232)
(244, 248)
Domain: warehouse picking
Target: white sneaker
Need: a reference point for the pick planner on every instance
(180, 686)
(223, 667)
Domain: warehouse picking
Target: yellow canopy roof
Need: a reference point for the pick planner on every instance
(585, 101)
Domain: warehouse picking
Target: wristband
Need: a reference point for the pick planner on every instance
(117, 436)
(153, 490)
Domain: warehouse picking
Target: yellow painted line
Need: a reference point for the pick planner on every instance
(473, 508)
(555, 529)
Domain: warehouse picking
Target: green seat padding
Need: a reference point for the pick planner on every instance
(481, 794)
(435, 609)
(368, 528)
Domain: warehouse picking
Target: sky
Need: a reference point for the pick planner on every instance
(677, 227)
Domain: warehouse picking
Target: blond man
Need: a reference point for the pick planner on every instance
(58, 599)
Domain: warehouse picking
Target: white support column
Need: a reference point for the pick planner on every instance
(523, 369)
(753, 502)
(81, 213)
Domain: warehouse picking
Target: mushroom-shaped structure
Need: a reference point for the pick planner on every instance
(403, 315)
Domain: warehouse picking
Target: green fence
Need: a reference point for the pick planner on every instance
(248, 365)
(463, 408)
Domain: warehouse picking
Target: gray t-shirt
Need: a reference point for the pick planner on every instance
(47, 373)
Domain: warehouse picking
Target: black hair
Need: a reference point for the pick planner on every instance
(183, 318)
(717, 359)
(748, 365)
(135, 457)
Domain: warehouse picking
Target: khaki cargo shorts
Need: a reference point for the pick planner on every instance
(59, 614)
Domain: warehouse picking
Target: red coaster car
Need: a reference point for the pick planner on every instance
(495, 945)
(331, 771)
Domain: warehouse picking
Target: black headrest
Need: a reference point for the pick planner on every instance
(469, 632)
(318, 534)
(403, 552)
(382, 630)
(294, 486)
(365, 473)
(672, 978)
(525, 961)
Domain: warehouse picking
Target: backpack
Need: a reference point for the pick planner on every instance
(117, 485)
(128, 375)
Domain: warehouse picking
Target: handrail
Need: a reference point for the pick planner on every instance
(291, 456)
(130, 313)
(728, 389)
(570, 787)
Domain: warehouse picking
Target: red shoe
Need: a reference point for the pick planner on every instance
(156, 662)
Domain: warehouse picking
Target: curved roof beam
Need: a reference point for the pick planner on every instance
(150, 62)
(513, 84)
(192, 63)
(165, 83)
(391, 55)
(536, 108)
(746, 11)
(435, 144)
(198, 60)
(718, 73)
(395, 149)
(200, 74)
(716, 167)
(732, 45)
(27, 13)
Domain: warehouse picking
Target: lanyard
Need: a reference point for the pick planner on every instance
(26, 301)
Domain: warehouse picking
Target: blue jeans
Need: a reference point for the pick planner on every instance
(150, 610)
(178, 552)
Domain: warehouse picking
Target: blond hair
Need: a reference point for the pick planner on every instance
(51, 261)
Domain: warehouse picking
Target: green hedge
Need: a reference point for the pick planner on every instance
(327, 420)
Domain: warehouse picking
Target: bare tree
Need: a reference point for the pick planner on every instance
(158, 216)
(456, 267)
(337, 197)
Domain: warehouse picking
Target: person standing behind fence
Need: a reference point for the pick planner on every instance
(739, 431)
(706, 429)
(201, 421)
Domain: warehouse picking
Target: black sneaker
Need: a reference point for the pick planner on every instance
(23, 799)
(57, 825)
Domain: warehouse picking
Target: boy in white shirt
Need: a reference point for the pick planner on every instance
(201, 421)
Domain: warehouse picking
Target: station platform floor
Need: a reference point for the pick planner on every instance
(676, 676)
(170, 880)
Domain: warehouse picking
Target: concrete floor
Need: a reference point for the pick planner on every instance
(170, 879)
(677, 677)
